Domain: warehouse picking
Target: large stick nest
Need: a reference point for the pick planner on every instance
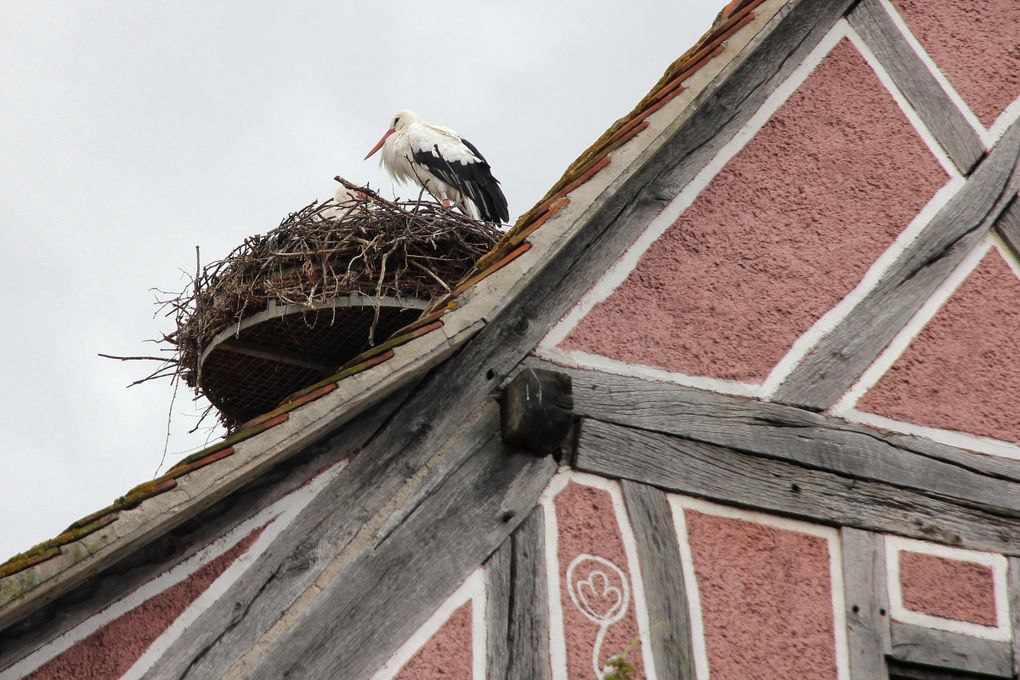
(411, 249)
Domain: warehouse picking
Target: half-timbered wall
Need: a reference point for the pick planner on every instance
(824, 258)
(681, 587)
(125, 639)
(838, 251)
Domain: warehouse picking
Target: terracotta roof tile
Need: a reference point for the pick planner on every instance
(485, 272)
(548, 214)
(295, 402)
(149, 489)
(27, 559)
(51, 548)
(428, 318)
(581, 179)
(181, 470)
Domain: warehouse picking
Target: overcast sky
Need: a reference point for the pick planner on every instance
(130, 132)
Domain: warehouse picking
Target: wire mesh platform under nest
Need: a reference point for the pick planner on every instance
(285, 309)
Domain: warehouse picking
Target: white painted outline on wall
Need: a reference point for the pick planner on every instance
(557, 641)
(997, 563)
(846, 407)
(278, 516)
(617, 274)
(471, 590)
(680, 503)
(989, 136)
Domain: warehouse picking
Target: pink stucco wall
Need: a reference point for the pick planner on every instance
(766, 600)
(447, 654)
(587, 526)
(784, 231)
(974, 339)
(974, 42)
(952, 589)
(110, 651)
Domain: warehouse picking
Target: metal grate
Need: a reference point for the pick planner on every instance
(242, 385)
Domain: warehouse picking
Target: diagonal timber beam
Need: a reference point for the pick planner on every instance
(832, 367)
(938, 112)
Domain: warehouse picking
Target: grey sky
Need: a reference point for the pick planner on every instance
(132, 131)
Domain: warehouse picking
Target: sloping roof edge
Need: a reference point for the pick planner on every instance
(43, 573)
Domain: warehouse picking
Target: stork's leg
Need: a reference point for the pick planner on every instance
(446, 203)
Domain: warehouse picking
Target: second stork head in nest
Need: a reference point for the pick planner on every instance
(443, 163)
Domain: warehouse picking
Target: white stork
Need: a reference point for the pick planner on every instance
(343, 202)
(443, 163)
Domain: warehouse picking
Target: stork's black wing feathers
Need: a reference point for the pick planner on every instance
(474, 150)
(474, 180)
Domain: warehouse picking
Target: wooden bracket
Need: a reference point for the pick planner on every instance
(536, 410)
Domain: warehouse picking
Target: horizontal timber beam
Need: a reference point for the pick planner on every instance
(800, 437)
(756, 482)
(942, 649)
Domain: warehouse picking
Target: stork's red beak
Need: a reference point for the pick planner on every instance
(381, 142)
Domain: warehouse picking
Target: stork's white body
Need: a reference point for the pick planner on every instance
(444, 164)
(343, 201)
(398, 158)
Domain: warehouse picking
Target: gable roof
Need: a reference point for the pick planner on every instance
(94, 542)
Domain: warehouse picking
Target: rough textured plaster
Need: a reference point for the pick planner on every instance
(952, 589)
(447, 654)
(587, 524)
(781, 234)
(975, 44)
(110, 651)
(766, 600)
(960, 372)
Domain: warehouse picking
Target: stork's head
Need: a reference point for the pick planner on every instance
(400, 120)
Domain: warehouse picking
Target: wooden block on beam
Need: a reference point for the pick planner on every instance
(537, 410)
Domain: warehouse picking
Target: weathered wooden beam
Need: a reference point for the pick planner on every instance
(498, 591)
(663, 579)
(750, 481)
(942, 649)
(842, 356)
(867, 605)
(798, 436)
(255, 605)
(517, 605)
(1008, 227)
(174, 546)
(937, 111)
(1013, 596)
(899, 670)
(342, 633)
(537, 410)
